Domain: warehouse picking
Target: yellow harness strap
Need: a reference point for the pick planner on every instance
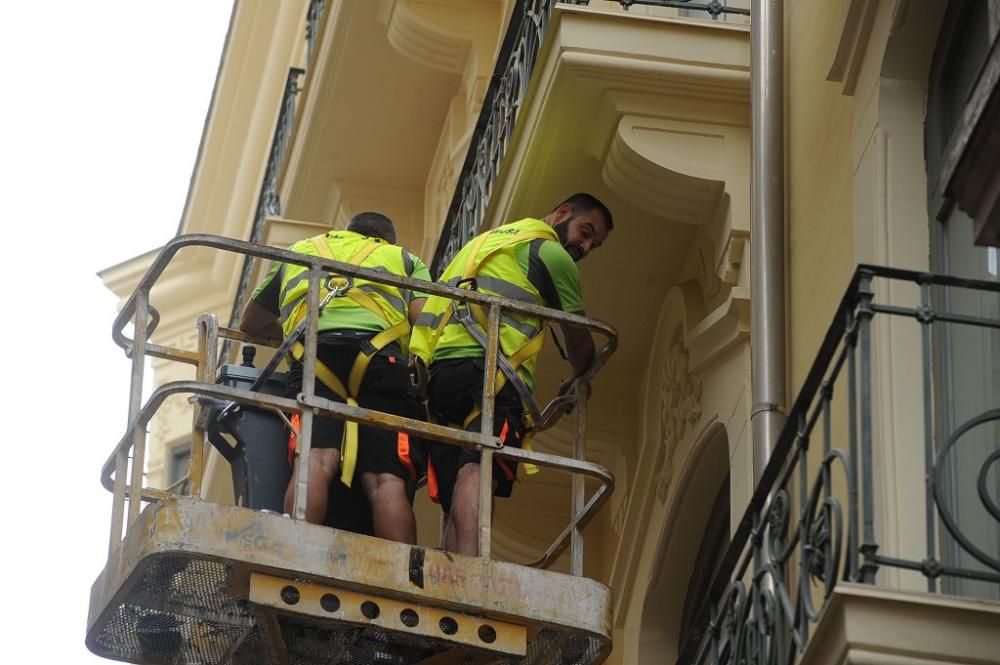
(529, 349)
(349, 393)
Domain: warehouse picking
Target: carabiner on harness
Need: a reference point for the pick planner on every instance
(343, 285)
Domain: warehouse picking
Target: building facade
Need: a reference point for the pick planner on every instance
(453, 116)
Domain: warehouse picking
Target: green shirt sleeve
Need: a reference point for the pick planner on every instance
(419, 271)
(266, 293)
(565, 277)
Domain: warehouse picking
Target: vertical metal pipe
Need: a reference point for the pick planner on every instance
(304, 440)
(925, 341)
(579, 453)
(208, 350)
(852, 467)
(140, 324)
(486, 428)
(767, 263)
(138, 433)
(868, 546)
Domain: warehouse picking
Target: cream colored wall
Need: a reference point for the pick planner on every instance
(819, 180)
(891, 228)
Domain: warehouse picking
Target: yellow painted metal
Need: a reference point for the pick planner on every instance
(192, 581)
(393, 615)
(194, 561)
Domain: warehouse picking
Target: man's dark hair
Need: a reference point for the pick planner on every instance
(373, 225)
(582, 202)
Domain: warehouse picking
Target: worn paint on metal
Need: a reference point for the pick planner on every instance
(307, 599)
(177, 532)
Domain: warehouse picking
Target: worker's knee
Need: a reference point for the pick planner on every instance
(382, 487)
(324, 461)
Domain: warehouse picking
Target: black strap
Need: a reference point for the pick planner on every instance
(464, 316)
(539, 276)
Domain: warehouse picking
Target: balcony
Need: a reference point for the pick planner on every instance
(506, 96)
(874, 531)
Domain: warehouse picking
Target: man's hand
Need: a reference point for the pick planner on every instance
(580, 353)
(567, 386)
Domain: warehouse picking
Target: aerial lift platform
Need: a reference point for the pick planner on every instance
(191, 581)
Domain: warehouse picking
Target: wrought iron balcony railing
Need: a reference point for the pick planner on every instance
(268, 202)
(714, 8)
(813, 517)
(528, 25)
(313, 18)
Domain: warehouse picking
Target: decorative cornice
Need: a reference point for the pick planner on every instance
(638, 175)
(421, 42)
(122, 278)
(853, 43)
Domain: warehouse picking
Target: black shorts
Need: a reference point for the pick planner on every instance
(385, 387)
(456, 388)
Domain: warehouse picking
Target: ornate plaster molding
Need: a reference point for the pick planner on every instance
(680, 407)
(422, 42)
(730, 263)
(644, 163)
(854, 35)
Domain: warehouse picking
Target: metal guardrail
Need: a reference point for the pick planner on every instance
(812, 521)
(144, 318)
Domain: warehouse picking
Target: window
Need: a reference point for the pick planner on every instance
(961, 71)
(713, 548)
(177, 467)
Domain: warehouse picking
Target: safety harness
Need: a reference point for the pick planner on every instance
(343, 287)
(474, 319)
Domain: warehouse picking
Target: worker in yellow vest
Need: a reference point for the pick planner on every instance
(531, 260)
(362, 351)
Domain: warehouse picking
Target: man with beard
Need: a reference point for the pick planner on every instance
(533, 261)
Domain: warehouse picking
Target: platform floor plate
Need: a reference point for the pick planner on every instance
(178, 592)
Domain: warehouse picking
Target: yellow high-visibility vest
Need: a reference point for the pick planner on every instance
(490, 259)
(387, 303)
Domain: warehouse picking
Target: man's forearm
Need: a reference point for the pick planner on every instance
(579, 349)
(258, 321)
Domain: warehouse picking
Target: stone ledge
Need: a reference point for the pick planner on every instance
(864, 624)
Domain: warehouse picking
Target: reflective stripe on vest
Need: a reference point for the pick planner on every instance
(390, 306)
(386, 303)
(496, 270)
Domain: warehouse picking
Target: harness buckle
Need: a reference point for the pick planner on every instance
(366, 347)
(471, 281)
(338, 286)
(419, 377)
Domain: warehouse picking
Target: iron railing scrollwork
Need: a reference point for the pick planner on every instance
(715, 8)
(313, 17)
(811, 521)
(268, 201)
(494, 128)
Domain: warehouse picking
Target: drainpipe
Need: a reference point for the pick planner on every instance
(767, 223)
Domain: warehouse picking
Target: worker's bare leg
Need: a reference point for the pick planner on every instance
(323, 465)
(465, 511)
(448, 540)
(392, 515)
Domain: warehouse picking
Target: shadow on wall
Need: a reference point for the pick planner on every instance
(694, 539)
